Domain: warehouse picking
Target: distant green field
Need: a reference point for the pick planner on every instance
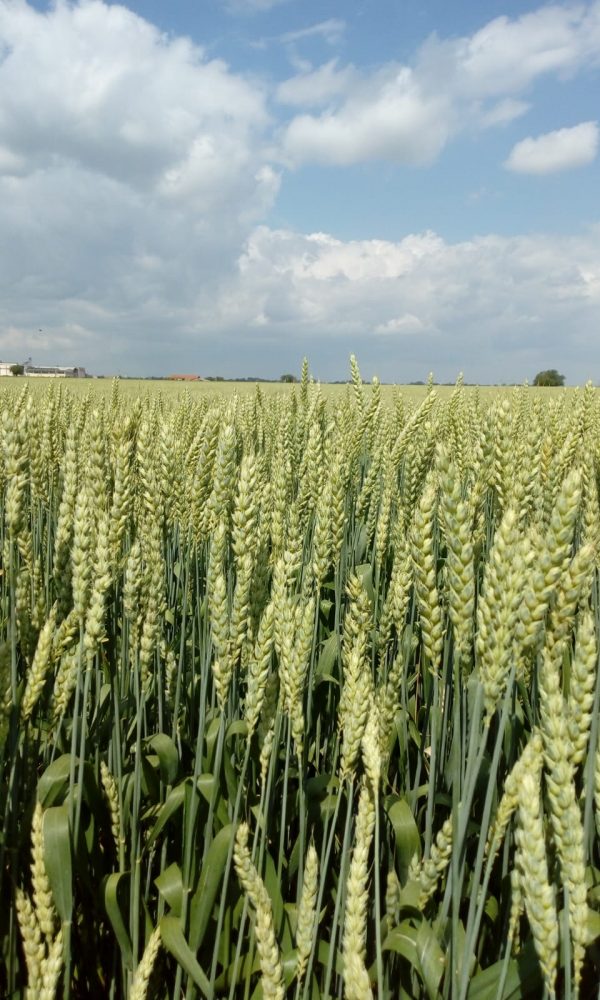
(145, 387)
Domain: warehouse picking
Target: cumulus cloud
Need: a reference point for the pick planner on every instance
(407, 113)
(387, 116)
(99, 86)
(492, 305)
(507, 55)
(563, 149)
(131, 170)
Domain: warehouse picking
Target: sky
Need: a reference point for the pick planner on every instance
(224, 187)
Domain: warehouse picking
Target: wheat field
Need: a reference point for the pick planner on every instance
(299, 693)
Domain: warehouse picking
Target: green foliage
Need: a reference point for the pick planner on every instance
(17, 369)
(550, 377)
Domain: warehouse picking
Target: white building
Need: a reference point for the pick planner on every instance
(54, 371)
(44, 371)
(5, 367)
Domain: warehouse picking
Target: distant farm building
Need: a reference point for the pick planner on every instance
(183, 378)
(54, 371)
(42, 371)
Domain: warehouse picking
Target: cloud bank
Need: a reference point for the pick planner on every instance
(422, 298)
(132, 167)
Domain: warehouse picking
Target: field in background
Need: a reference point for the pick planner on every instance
(299, 691)
(139, 388)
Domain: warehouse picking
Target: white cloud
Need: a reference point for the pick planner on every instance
(331, 31)
(407, 113)
(316, 87)
(96, 85)
(504, 112)
(493, 306)
(507, 55)
(138, 292)
(552, 152)
(388, 116)
(93, 90)
(131, 169)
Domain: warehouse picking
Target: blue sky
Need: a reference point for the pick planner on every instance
(225, 186)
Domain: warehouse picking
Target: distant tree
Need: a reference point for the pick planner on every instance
(288, 378)
(17, 369)
(549, 377)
